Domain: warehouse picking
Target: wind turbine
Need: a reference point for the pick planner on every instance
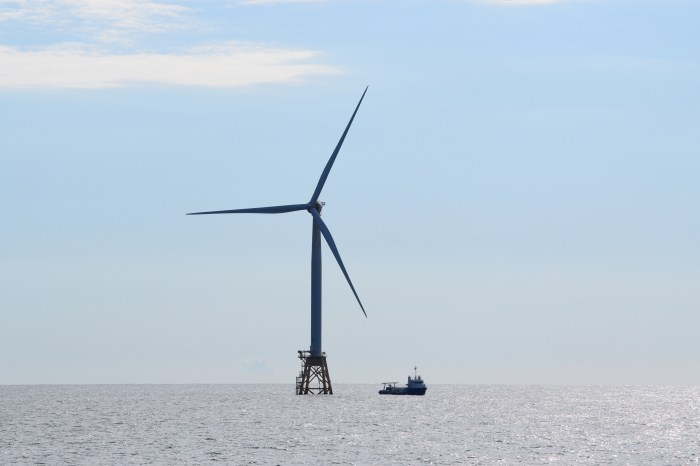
(314, 366)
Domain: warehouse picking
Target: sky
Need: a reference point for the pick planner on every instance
(516, 201)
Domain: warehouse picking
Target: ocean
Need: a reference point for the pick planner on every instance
(269, 424)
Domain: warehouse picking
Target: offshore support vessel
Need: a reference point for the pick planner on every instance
(415, 386)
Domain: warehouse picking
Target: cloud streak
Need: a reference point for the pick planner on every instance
(104, 21)
(227, 65)
(269, 2)
(100, 45)
(129, 14)
(121, 14)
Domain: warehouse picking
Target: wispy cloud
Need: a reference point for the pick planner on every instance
(226, 65)
(122, 14)
(269, 2)
(257, 365)
(102, 44)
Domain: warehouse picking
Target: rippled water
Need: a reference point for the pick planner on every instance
(268, 424)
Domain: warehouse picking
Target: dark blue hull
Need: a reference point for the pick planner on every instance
(404, 391)
(416, 391)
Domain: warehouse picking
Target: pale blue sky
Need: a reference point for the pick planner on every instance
(516, 202)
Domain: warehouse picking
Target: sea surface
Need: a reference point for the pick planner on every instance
(268, 424)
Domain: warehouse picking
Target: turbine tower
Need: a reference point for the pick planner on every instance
(314, 377)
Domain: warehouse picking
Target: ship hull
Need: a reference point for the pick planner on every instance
(416, 391)
(404, 391)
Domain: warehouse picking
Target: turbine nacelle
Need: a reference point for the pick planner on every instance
(318, 205)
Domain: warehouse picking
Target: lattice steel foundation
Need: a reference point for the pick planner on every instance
(313, 377)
